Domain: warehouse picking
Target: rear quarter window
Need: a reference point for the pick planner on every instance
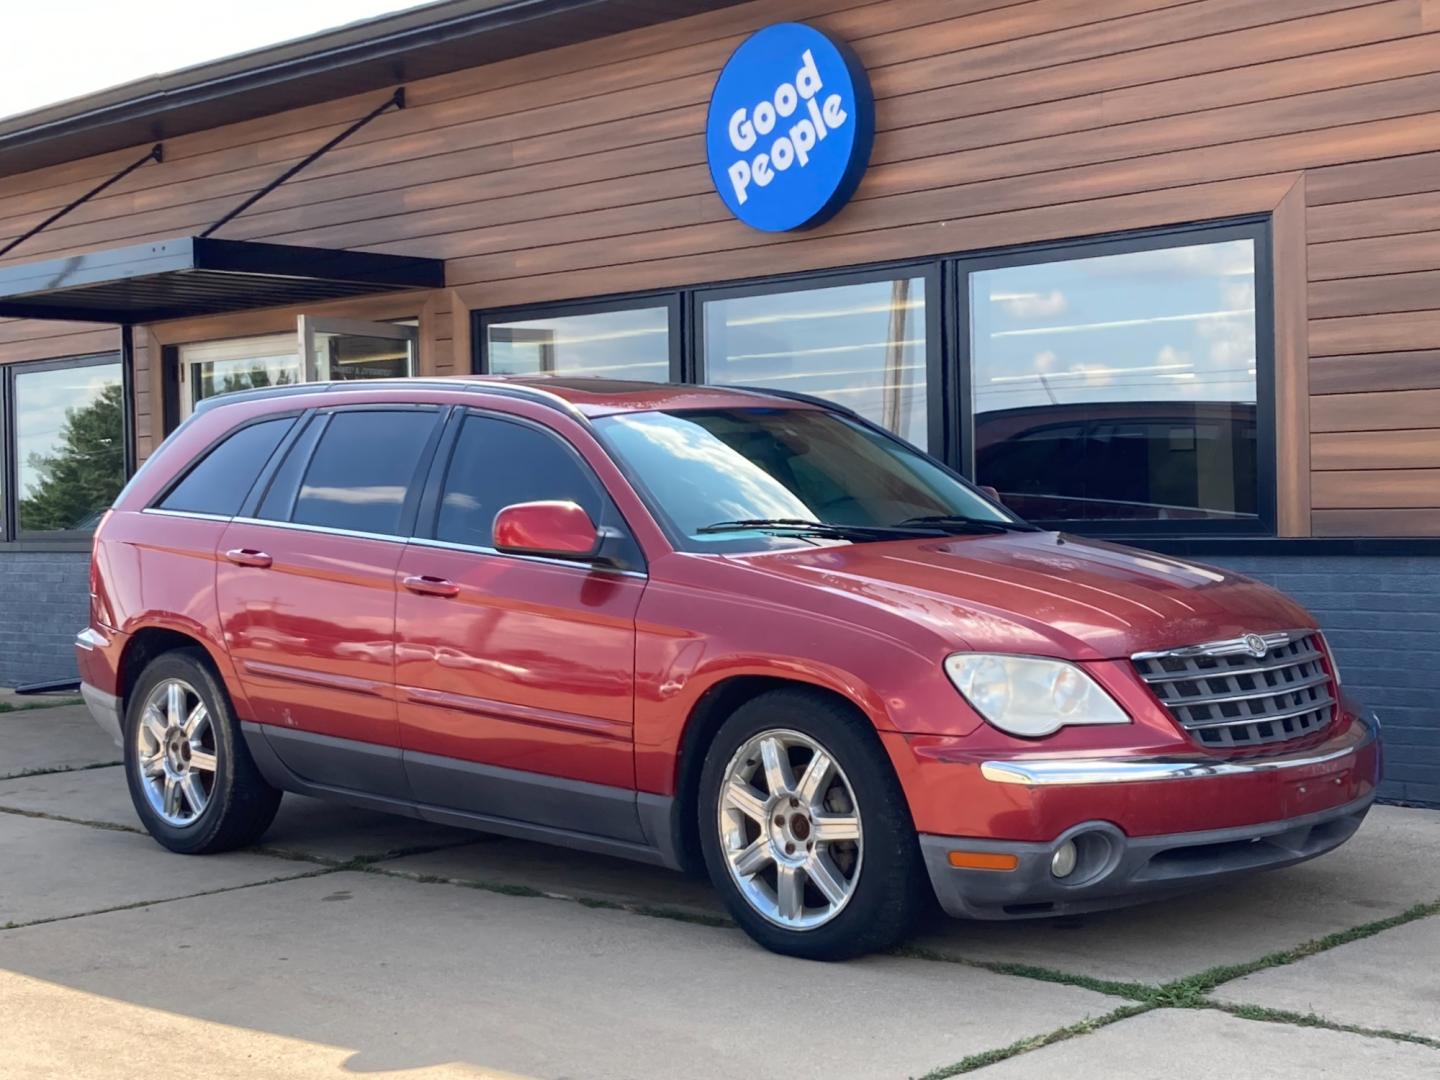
(220, 480)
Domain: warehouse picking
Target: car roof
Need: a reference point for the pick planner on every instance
(590, 396)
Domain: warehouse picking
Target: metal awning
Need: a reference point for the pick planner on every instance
(173, 279)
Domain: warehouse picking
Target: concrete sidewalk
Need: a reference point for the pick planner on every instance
(351, 941)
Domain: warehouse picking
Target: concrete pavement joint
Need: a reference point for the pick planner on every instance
(1283, 1016)
(1141, 992)
(318, 872)
(51, 770)
(1035, 1042)
(1181, 993)
(43, 816)
(652, 911)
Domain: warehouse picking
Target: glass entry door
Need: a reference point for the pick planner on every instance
(335, 350)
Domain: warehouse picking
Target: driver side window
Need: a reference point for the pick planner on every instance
(499, 462)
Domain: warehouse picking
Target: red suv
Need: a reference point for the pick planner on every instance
(699, 626)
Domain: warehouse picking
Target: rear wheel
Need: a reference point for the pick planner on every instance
(805, 831)
(191, 777)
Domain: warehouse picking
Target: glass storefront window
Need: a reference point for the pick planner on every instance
(1119, 387)
(219, 367)
(69, 444)
(862, 346)
(633, 343)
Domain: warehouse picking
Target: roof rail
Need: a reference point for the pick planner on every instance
(519, 391)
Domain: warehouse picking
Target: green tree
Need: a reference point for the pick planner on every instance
(84, 472)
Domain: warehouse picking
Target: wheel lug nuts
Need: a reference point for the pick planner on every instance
(779, 821)
(789, 849)
(794, 802)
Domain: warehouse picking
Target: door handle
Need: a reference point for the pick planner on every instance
(248, 557)
(426, 585)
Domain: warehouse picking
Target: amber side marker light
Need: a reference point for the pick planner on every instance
(983, 860)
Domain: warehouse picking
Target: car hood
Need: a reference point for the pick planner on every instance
(1043, 593)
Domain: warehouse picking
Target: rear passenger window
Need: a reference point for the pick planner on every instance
(220, 481)
(362, 470)
(497, 463)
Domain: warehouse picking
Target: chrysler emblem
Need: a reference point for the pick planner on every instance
(1256, 646)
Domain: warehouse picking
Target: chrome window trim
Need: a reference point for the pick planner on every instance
(1047, 772)
(571, 564)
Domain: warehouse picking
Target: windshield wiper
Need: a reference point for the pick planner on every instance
(799, 526)
(961, 523)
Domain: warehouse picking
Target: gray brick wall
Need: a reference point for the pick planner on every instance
(1381, 615)
(44, 601)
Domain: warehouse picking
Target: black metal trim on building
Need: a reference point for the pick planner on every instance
(189, 276)
(155, 154)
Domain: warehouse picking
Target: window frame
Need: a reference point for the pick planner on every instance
(1256, 230)
(927, 270)
(949, 372)
(10, 533)
(482, 320)
(427, 517)
(319, 419)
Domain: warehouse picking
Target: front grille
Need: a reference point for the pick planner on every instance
(1225, 696)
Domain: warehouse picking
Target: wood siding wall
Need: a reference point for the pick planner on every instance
(581, 172)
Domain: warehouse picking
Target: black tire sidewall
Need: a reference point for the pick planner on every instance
(891, 890)
(200, 834)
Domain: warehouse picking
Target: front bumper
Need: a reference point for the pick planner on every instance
(1117, 868)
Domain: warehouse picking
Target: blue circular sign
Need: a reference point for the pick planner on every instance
(790, 127)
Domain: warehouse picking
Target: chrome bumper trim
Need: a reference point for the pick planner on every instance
(1044, 772)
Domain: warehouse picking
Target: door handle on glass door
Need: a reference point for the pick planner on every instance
(426, 585)
(248, 557)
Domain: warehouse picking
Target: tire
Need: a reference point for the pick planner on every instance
(838, 897)
(203, 760)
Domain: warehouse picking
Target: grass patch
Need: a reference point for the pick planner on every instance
(1036, 1042)
(1132, 990)
(1310, 1020)
(27, 706)
(1190, 992)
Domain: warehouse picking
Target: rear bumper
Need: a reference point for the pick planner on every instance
(1127, 870)
(95, 654)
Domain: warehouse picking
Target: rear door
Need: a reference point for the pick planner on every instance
(306, 591)
(516, 674)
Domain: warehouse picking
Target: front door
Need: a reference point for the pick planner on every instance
(306, 590)
(515, 675)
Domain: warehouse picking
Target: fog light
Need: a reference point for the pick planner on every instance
(1062, 863)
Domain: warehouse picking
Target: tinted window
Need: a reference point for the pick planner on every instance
(629, 344)
(498, 463)
(69, 447)
(222, 479)
(861, 345)
(362, 470)
(707, 466)
(1119, 387)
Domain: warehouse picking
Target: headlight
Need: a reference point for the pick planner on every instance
(1030, 696)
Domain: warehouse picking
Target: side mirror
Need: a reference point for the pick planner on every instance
(991, 493)
(559, 530)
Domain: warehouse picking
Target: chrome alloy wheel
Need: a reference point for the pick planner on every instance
(790, 829)
(175, 752)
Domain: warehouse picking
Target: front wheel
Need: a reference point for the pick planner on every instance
(805, 830)
(192, 780)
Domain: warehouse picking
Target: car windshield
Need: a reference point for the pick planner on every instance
(751, 478)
